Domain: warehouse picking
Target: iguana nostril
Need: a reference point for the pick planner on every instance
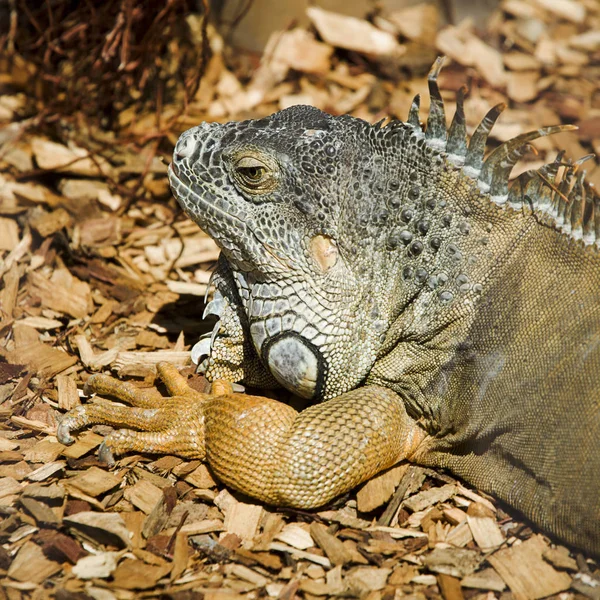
(184, 148)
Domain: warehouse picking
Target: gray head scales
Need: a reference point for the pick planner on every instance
(285, 198)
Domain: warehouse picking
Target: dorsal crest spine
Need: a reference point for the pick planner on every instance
(556, 192)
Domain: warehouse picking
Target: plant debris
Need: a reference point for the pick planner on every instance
(101, 272)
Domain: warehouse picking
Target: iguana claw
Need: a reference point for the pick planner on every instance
(105, 455)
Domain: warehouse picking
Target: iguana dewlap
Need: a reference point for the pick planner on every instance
(391, 278)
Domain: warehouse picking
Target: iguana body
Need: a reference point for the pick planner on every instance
(388, 276)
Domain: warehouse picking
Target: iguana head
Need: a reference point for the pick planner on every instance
(290, 199)
(332, 227)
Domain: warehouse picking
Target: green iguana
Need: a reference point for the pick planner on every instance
(390, 276)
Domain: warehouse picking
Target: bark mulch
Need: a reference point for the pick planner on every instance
(101, 272)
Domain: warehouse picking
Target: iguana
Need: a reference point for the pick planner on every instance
(389, 276)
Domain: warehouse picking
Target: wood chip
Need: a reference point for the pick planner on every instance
(103, 528)
(565, 9)
(460, 535)
(475, 497)
(41, 512)
(241, 518)
(247, 574)
(450, 587)
(315, 588)
(429, 497)
(48, 223)
(522, 86)
(62, 292)
(7, 445)
(97, 233)
(520, 61)
(46, 471)
(143, 495)
(188, 288)
(379, 490)
(42, 359)
(91, 359)
(488, 579)
(296, 536)
(153, 478)
(134, 521)
(46, 493)
(402, 574)
(68, 396)
(362, 580)
(41, 323)
(456, 562)
(419, 23)
(587, 42)
(333, 547)
(160, 514)
(31, 565)
(145, 362)
(86, 441)
(465, 48)
(320, 560)
(51, 156)
(181, 555)
(93, 482)
(397, 532)
(9, 486)
(136, 575)
(9, 234)
(96, 566)
(559, 558)
(454, 515)
(526, 573)
(201, 478)
(61, 548)
(46, 450)
(81, 190)
(353, 34)
(11, 280)
(299, 50)
(484, 528)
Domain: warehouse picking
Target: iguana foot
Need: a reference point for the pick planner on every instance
(155, 424)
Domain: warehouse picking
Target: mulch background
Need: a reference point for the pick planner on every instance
(101, 272)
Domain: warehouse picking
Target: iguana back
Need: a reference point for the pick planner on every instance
(521, 415)
(512, 399)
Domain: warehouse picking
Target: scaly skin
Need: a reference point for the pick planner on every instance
(289, 458)
(389, 277)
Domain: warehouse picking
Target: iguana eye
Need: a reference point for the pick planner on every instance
(253, 174)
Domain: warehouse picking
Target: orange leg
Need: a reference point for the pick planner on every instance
(259, 446)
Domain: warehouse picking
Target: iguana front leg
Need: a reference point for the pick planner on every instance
(256, 445)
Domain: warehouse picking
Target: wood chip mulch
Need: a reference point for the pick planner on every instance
(102, 273)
